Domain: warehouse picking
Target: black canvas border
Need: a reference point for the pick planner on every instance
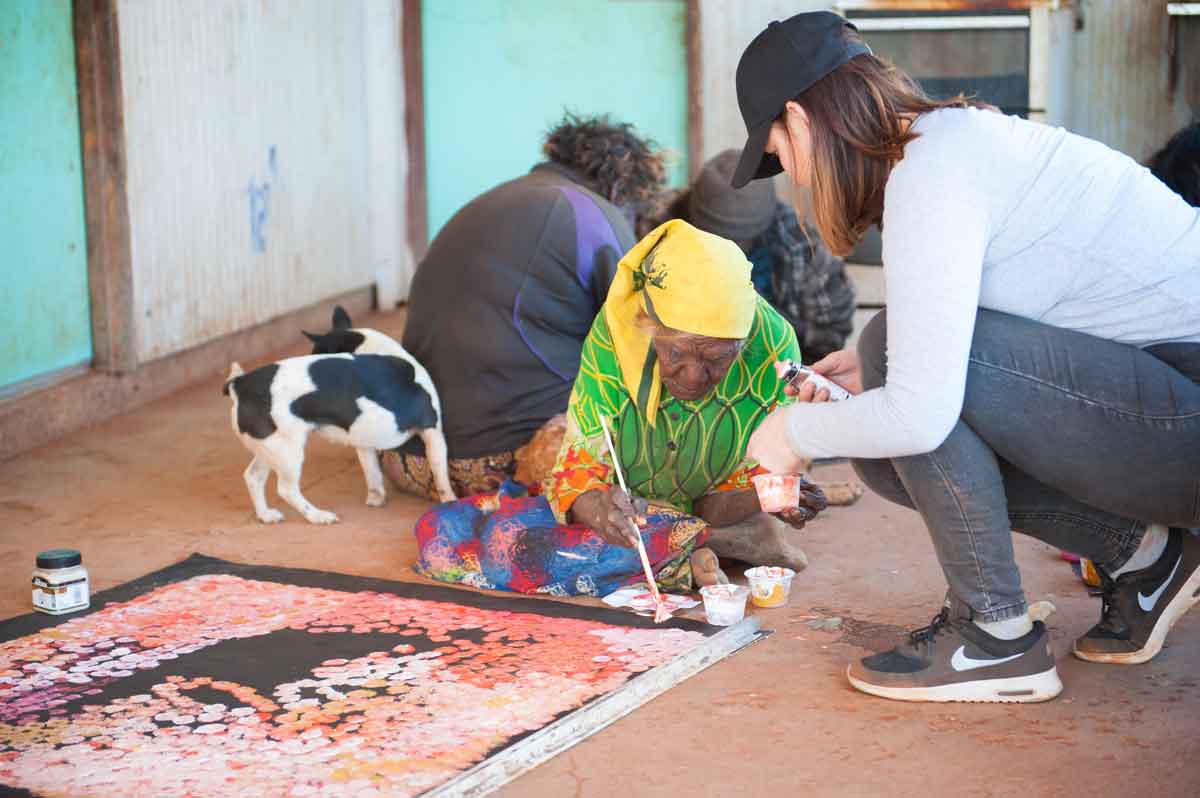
(203, 565)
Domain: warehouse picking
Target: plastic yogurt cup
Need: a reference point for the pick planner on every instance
(777, 492)
(770, 585)
(724, 605)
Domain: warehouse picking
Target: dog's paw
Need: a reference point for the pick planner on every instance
(322, 517)
(376, 498)
(271, 516)
(448, 497)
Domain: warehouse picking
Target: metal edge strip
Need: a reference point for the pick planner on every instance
(567, 731)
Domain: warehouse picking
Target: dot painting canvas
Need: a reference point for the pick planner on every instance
(214, 678)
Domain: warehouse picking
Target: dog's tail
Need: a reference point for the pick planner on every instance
(235, 371)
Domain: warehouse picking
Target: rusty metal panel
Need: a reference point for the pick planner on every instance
(1120, 76)
(1187, 54)
(247, 147)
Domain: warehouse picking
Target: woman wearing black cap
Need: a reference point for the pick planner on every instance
(792, 269)
(1037, 367)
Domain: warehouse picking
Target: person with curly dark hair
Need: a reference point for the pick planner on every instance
(503, 300)
(613, 160)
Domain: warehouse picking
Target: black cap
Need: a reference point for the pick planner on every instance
(58, 558)
(781, 63)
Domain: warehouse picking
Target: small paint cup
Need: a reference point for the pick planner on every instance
(777, 492)
(724, 605)
(769, 585)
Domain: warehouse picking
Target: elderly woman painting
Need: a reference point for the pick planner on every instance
(679, 362)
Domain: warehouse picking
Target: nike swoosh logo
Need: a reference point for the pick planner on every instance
(961, 662)
(1147, 602)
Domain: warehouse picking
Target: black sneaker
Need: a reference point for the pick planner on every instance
(954, 660)
(1140, 607)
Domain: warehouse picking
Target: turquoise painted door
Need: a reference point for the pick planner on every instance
(500, 73)
(45, 323)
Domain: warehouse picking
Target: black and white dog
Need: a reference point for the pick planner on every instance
(360, 388)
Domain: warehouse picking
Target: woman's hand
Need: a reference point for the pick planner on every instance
(841, 367)
(771, 444)
(612, 514)
(812, 501)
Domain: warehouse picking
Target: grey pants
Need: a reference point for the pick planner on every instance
(1068, 438)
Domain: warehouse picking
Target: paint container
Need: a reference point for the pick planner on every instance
(790, 371)
(777, 492)
(724, 605)
(1088, 572)
(769, 585)
(60, 582)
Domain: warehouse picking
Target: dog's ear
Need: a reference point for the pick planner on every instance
(235, 371)
(341, 319)
(326, 344)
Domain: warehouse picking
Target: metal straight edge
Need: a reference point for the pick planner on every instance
(999, 22)
(511, 762)
(1040, 46)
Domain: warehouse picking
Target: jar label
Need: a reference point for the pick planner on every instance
(60, 598)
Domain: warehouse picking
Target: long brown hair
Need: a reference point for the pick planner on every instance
(856, 117)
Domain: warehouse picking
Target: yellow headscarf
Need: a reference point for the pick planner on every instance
(689, 280)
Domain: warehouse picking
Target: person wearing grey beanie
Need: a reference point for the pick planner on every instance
(739, 214)
(792, 268)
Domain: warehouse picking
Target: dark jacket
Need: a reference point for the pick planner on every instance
(502, 301)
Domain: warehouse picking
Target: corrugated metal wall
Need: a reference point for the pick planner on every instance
(725, 30)
(248, 150)
(1119, 76)
(1108, 81)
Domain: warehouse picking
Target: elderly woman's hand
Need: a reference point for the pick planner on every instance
(612, 514)
(812, 501)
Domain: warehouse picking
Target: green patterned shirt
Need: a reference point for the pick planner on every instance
(693, 447)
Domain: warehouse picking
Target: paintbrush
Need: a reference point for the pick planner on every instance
(661, 613)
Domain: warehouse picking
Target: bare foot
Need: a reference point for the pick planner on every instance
(706, 569)
(841, 494)
(760, 540)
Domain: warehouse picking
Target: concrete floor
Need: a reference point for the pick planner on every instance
(146, 489)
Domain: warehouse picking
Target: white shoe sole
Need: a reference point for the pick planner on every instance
(1187, 596)
(1012, 690)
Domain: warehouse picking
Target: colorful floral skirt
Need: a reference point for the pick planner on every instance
(509, 540)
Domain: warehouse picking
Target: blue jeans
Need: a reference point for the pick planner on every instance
(1071, 439)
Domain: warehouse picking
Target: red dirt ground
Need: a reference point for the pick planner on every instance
(148, 488)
